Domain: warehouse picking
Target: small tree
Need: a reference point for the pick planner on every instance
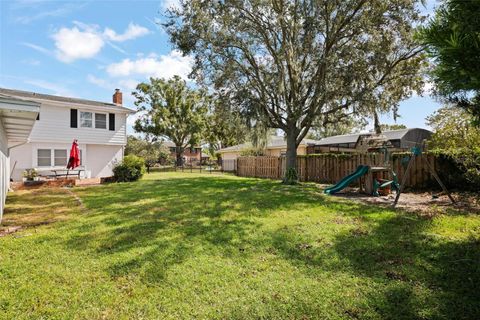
(152, 152)
(456, 137)
(172, 110)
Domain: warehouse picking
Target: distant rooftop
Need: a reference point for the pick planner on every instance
(273, 142)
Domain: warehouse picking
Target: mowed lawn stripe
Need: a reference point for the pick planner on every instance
(186, 245)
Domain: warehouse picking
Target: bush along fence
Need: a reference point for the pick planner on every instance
(330, 168)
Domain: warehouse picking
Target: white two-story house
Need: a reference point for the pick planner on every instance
(99, 127)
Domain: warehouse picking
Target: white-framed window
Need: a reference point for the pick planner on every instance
(101, 120)
(55, 157)
(60, 157)
(44, 157)
(86, 119)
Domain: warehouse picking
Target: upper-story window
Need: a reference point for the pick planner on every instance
(100, 121)
(86, 119)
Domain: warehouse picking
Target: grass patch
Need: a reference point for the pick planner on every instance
(181, 246)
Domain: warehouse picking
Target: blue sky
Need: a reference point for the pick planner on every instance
(118, 44)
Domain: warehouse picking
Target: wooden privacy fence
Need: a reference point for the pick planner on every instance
(330, 168)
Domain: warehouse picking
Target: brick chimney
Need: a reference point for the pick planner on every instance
(117, 97)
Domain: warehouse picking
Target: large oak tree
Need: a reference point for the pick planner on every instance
(171, 109)
(295, 61)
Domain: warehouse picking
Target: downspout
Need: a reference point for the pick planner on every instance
(17, 145)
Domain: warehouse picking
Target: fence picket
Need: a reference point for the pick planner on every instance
(325, 168)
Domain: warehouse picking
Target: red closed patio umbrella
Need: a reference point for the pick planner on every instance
(74, 159)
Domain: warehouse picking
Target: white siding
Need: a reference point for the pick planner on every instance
(4, 169)
(97, 160)
(102, 158)
(25, 157)
(54, 126)
(20, 160)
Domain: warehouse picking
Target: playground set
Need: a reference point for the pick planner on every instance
(372, 177)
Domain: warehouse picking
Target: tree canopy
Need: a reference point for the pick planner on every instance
(152, 152)
(226, 125)
(456, 136)
(170, 109)
(295, 61)
(452, 39)
(389, 127)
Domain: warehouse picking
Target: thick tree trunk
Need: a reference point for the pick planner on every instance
(376, 123)
(291, 159)
(291, 155)
(179, 154)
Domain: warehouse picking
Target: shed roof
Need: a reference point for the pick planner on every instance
(353, 138)
(66, 101)
(273, 143)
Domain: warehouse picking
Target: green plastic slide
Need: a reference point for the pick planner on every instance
(345, 182)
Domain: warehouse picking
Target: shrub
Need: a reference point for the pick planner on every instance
(30, 174)
(130, 169)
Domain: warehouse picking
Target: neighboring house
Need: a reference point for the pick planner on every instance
(17, 118)
(276, 147)
(99, 127)
(402, 139)
(189, 154)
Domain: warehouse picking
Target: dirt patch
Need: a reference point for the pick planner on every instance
(425, 203)
(42, 184)
(9, 230)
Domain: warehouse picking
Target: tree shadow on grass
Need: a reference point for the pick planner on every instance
(420, 275)
(154, 225)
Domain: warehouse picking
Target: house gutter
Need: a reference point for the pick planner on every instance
(17, 145)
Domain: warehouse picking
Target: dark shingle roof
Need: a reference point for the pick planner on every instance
(353, 138)
(40, 97)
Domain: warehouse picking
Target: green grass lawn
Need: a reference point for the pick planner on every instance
(183, 246)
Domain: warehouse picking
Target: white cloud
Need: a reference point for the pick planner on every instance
(54, 88)
(32, 62)
(428, 87)
(129, 84)
(168, 4)
(99, 82)
(165, 66)
(85, 41)
(133, 31)
(126, 85)
(73, 44)
(57, 10)
(36, 47)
